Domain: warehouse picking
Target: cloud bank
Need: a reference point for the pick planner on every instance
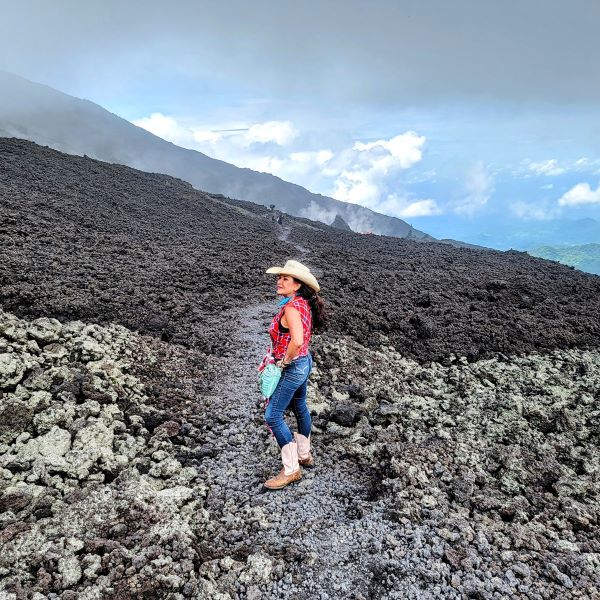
(396, 53)
(367, 173)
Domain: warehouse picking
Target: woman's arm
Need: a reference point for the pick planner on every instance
(292, 316)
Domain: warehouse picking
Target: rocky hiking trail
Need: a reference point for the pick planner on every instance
(325, 530)
(313, 525)
(324, 526)
(284, 237)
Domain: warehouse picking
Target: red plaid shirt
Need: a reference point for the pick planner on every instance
(281, 339)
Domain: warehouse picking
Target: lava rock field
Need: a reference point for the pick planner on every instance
(455, 403)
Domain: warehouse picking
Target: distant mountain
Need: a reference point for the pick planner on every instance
(46, 116)
(554, 232)
(585, 257)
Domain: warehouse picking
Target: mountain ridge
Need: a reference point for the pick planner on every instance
(82, 127)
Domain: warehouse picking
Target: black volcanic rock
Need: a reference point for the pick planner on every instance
(339, 223)
(82, 239)
(346, 415)
(432, 300)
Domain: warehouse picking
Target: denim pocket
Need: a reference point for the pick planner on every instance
(298, 370)
(302, 368)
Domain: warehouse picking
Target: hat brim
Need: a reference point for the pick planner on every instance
(309, 281)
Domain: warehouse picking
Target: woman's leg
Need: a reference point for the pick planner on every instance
(291, 378)
(300, 407)
(301, 411)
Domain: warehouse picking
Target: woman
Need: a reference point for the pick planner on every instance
(301, 312)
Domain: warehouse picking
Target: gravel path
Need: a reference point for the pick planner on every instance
(284, 237)
(325, 533)
(313, 521)
(310, 520)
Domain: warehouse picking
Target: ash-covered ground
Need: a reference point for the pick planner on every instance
(105, 243)
(454, 397)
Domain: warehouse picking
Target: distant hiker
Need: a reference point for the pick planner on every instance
(301, 312)
(280, 219)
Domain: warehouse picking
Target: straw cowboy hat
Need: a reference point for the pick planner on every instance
(297, 270)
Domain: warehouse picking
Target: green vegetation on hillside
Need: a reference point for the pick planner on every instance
(585, 257)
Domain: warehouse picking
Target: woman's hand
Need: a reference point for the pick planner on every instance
(282, 364)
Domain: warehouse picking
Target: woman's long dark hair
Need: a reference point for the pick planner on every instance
(317, 306)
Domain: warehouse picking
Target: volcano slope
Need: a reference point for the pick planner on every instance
(454, 401)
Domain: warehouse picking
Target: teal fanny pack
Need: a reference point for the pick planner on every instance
(268, 379)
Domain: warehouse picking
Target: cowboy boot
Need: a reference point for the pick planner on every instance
(305, 458)
(291, 468)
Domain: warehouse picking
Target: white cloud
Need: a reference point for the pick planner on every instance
(479, 188)
(355, 187)
(367, 169)
(552, 167)
(536, 212)
(264, 164)
(579, 194)
(167, 128)
(206, 136)
(301, 167)
(279, 132)
(406, 207)
(547, 167)
(403, 150)
(421, 208)
(320, 157)
(584, 164)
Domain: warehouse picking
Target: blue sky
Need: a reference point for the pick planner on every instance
(458, 117)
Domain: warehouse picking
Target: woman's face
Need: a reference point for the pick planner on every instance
(286, 285)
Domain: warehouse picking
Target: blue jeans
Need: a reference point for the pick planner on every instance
(291, 389)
